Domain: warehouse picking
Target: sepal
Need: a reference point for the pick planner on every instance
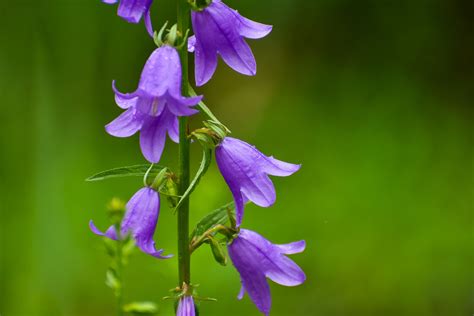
(218, 251)
(199, 5)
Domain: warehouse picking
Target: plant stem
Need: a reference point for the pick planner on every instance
(184, 258)
(119, 263)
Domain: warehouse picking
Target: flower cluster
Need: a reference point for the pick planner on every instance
(153, 111)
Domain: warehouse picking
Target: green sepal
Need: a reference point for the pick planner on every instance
(219, 216)
(218, 251)
(141, 308)
(130, 171)
(199, 5)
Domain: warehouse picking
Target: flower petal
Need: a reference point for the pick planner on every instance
(180, 106)
(206, 64)
(153, 134)
(141, 218)
(229, 43)
(123, 96)
(173, 130)
(292, 248)
(133, 10)
(252, 29)
(286, 272)
(110, 1)
(127, 124)
(241, 292)
(125, 103)
(148, 23)
(260, 190)
(153, 138)
(243, 164)
(205, 53)
(231, 176)
(276, 266)
(279, 168)
(191, 44)
(162, 73)
(186, 306)
(110, 233)
(246, 260)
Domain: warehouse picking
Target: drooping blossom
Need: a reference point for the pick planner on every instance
(186, 306)
(140, 221)
(246, 170)
(153, 109)
(256, 259)
(221, 30)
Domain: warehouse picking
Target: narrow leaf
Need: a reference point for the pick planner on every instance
(141, 308)
(205, 163)
(219, 216)
(130, 171)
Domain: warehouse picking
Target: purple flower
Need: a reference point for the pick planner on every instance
(139, 221)
(256, 259)
(132, 10)
(186, 306)
(154, 107)
(246, 170)
(221, 30)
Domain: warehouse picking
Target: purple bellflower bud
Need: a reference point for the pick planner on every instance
(256, 259)
(246, 170)
(153, 109)
(186, 306)
(140, 221)
(221, 30)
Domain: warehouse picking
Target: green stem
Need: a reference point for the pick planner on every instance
(120, 278)
(184, 258)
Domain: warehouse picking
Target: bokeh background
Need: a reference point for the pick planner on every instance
(374, 98)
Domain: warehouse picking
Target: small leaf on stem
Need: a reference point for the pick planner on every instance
(130, 171)
(219, 216)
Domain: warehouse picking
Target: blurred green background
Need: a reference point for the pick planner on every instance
(374, 98)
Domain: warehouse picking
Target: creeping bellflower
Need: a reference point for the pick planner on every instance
(256, 259)
(186, 306)
(221, 30)
(246, 170)
(131, 10)
(154, 107)
(139, 221)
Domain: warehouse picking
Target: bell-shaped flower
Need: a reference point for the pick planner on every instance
(186, 306)
(153, 109)
(246, 170)
(132, 10)
(256, 259)
(221, 30)
(140, 221)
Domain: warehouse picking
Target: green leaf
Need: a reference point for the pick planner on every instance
(130, 171)
(112, 281)
(205, 163)
(141, 308)
(219, 216)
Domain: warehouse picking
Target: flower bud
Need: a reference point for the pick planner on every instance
(115, 210)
